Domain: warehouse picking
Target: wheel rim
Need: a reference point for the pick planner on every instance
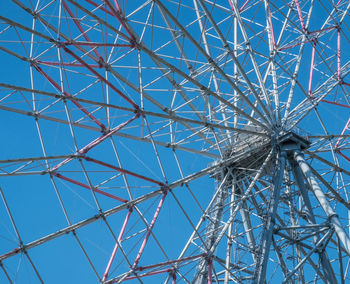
(139, 108)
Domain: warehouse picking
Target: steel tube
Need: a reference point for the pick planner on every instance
(316, 189)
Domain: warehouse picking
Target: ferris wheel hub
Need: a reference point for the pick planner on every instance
(291, 141)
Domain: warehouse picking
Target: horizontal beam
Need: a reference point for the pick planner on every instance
(170, 116)
(120, 134)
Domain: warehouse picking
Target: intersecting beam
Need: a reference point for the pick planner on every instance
(212, 230)
(321, 197)
(238, 191)
(327, 268)
(333, 166)
(319, 245)
(260, 270)
(234, 58)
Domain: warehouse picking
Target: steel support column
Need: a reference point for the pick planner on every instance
(316, 189)
(212, 229)
(244, 212)
(260, 270)
(327, 268)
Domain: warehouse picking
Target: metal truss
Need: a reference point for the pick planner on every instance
(172, 141)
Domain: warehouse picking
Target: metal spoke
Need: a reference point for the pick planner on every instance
(176, 141)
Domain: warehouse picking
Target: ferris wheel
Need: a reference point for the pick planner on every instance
(172, 141)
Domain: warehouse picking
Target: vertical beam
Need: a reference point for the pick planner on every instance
(233, 55)
(300, 16)
(77, 23)
(247, 224)
(213, 64)
(237, 190)
(280, 258)
(18, 237)
(155, 216)
(58, 87)
(212, 231)
(215, 79)
(272, 65)
(260, 270)
(341, 268)
(246, 195)
(319, 245)
(316, 189)
(210, 266)
(294, 222)
(174, 277)
(229, 235)
(117, 13)
(250, 52)
(312, 65)
(235, 67)
(198, 279)
(327, 268)
(195, 232)
(338, 54)
(105, 275)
